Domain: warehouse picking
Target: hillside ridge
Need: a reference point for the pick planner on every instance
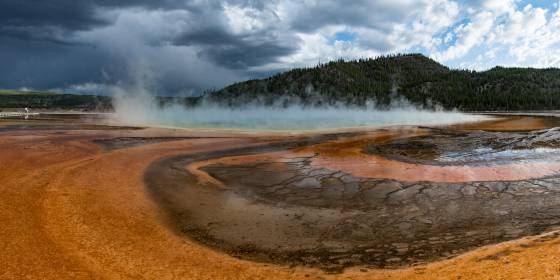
(415, 77)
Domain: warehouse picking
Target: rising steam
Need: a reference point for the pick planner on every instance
(143, 110)
(137, 105)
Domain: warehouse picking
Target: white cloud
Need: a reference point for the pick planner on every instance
(203, 44)
(468, 36)
(499, 7)
(501, 32)
(380, 27)
(433, 18)
(476, 34)
(528, 34)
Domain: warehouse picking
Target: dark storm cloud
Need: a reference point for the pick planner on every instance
(53, 20)
(255, 48)
(191, 45)
(72, 15)
(246, 55)
(359, 13)
(41, 64)
(237, 51)
(41, 48)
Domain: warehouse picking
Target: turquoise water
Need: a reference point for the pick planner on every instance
(296, 118)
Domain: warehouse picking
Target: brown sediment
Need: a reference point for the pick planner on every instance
(70, 209)
(279, 207)
(204, 178)
(22, 127)
(347, 155)
(370, 166)
(332, 207)
(128, 142)
(511, 123)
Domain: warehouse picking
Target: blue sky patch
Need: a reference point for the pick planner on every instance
(344, 36)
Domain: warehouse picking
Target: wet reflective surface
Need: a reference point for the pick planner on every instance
(383, 198)
(448, 147)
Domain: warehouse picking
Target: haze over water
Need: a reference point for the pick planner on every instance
(274, 118)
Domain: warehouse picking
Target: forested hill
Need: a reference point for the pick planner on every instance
(415, 77)
(53, 101)
(419, 79)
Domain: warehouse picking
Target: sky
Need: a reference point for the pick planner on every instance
(183, 47)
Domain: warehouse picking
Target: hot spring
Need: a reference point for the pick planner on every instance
(290, 118)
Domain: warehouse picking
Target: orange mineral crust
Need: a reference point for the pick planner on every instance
(369, 166)
(72, 209)
(511, 123)
(346, 155)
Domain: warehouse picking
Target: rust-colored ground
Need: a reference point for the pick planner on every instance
(512, 123)
(346, 155)
(71, 210)
(349, 158)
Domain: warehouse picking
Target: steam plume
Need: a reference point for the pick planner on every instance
(135, 104)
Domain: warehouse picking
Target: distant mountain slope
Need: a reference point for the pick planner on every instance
(53, 101)
(415, 77)
(419, 79)
(11, 99)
